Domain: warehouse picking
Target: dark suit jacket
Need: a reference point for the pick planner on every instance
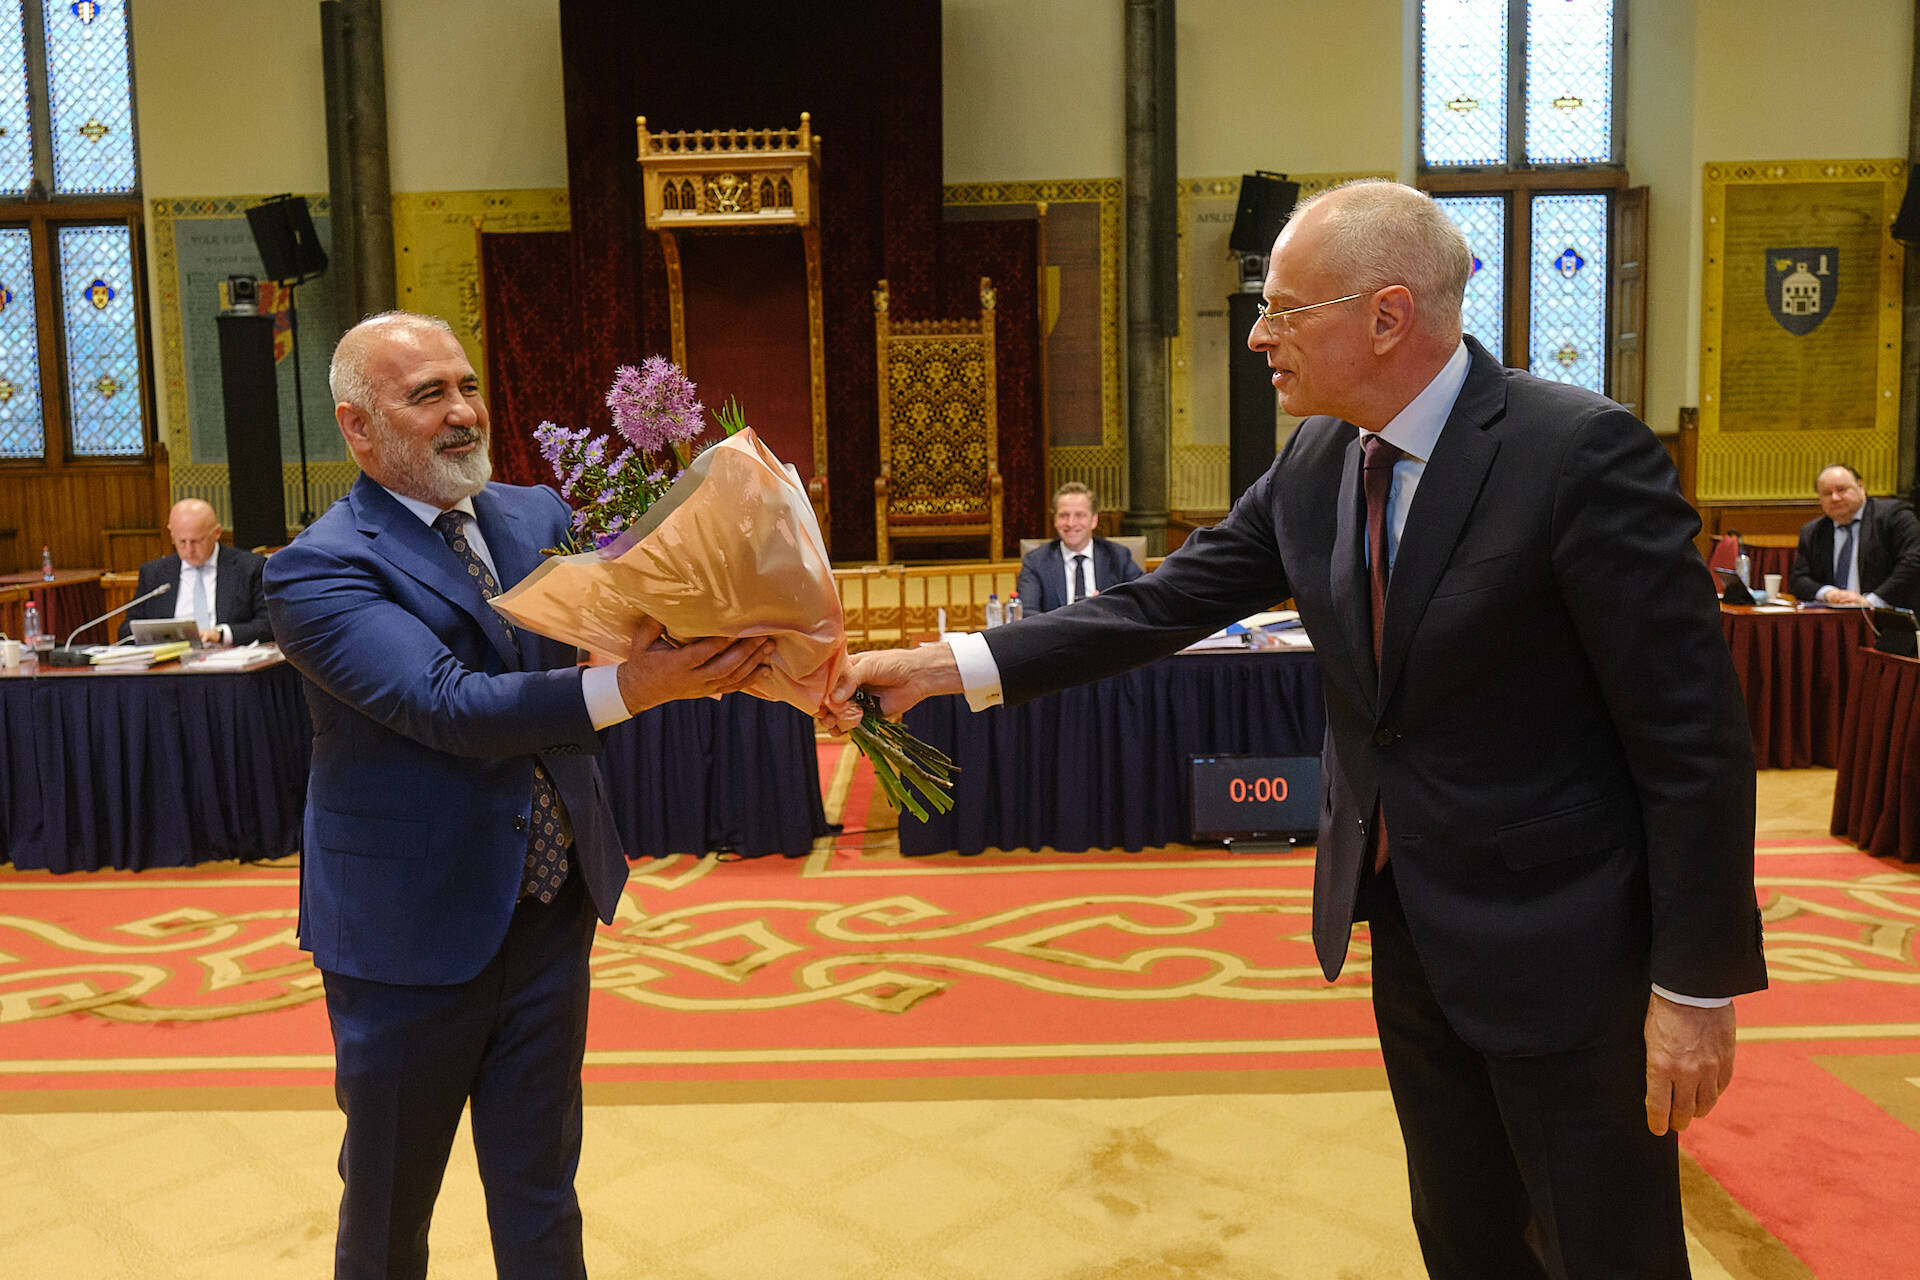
(1889, 554)
(426, 725)
(1043, 583)
(239, 599)
(1555, 731)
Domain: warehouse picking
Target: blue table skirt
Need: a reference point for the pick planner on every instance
(152, 770)
(165, 770)
(1105, 765)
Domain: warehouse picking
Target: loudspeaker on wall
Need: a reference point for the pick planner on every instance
(283, 233)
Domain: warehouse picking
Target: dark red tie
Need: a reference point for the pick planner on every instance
(1376, 480)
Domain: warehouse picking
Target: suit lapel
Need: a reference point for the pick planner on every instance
(1352, 595)
(416, 550)
(1449, 487)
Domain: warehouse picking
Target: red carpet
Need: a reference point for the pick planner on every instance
(853, 964)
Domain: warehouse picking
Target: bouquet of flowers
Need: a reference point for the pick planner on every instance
(721, 541)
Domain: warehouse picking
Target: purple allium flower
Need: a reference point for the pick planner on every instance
(655, 404)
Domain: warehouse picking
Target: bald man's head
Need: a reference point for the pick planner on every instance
(194, 529)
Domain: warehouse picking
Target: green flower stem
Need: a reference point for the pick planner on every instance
(894, 752)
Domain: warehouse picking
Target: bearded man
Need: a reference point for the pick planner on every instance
(458, 843)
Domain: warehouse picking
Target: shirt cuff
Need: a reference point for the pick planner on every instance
(1823, 593)
(979, 673)
(226, 632)
(600, 686)
(1876, 601)
(1697, 1002)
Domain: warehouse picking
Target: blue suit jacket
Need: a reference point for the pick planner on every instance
(426, 724)
(1043, 581)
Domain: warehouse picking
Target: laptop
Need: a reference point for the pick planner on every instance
(1732, 590)
(166, 631)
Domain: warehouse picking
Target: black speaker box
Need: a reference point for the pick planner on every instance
(1266, 201)
(1250, 417)
(250, 394)
(283, 233)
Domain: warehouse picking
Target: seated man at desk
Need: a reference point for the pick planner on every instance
(1075, 563)
(219, 587)
(1862, 551)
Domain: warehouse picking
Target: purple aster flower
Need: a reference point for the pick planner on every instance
(571, 479)
(619, 464)
(655, 404)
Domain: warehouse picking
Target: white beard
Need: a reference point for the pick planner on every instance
(423, 471)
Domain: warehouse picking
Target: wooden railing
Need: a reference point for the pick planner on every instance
(891, 605)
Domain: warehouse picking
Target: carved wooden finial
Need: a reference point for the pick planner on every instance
(880, 299)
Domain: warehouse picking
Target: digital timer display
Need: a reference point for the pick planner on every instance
(1245, 797)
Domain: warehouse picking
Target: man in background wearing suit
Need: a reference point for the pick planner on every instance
(1540, 798)
(458, 843)
(1075, 563)
(218, 587)
(1862, 551)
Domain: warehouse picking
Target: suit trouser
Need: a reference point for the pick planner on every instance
(409, 1059)
(1521, 1167)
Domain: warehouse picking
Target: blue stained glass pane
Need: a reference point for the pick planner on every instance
(1463, 82)
(20, 428)
(1483, 221)
(1569, 81)
(90, 97)
(103, 341)
(1568, 289)
(16, 128)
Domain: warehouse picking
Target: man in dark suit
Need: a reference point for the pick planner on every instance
(458, 842)
(1540, 798)
(1862, 551)
(219, 587)
(1075, 563)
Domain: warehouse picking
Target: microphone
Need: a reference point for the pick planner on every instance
(68, 656)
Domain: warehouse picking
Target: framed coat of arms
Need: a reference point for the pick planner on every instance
(1799, 326)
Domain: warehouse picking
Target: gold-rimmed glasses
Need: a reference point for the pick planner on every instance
(1271, 315)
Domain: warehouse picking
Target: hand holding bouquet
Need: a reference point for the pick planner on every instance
(719, 543)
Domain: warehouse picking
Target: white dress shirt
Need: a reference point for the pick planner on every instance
(1066, 561)
(600, 686)
(205, 578)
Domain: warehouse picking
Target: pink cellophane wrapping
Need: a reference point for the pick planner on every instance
(731, 549)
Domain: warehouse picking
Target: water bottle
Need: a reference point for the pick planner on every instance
(46, 565)
(1740, 568)
(30, 624)
(1014, 609)
(994, 615)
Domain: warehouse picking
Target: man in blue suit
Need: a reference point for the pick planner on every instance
(1075, 563)
(1541, 800)
(458, 843)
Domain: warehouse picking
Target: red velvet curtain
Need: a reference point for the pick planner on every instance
(530, 379)
(868, 72)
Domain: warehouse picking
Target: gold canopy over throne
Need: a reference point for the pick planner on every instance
(742, 180)
(939, 428)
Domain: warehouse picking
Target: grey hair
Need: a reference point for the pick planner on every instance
(1379, 233)
(347, 378)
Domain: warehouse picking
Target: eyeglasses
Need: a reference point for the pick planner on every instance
(1271, 316)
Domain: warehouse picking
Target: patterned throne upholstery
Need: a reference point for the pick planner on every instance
(939, 432)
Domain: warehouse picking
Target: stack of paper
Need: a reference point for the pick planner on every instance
(245, 658)
(139, 655)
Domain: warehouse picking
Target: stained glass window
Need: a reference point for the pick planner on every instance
(90, 97)
(1463, 82)
(16, 125)
(1483, 221)
(1569, 81)
(103, 340)
(1568, 289)
(21, 434)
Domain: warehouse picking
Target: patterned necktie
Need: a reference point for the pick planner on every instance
(550, 834)
(1843, 560)
(1079, 576)
(1376, 479)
